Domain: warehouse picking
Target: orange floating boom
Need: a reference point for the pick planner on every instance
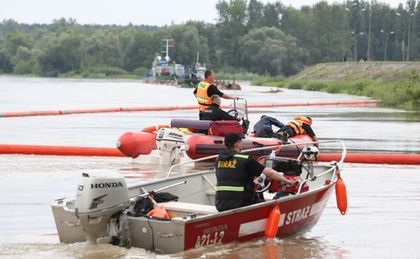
(404, 159)
(371, 158)
(58, 150)
(182, 107)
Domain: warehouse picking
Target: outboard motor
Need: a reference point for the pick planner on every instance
(97, 200)
(169, 142)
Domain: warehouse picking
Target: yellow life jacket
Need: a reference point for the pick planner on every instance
(204, 101)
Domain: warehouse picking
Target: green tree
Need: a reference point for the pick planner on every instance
(5, 63)
(269, 50)
(13, 41)
(208, 41)
(9, 26)
(60, 54)
(231, 26)
(416, 33)
(137, 49)
(102, 49)
(255, 14)
(328, 25)
(9, 46)
(24, 61)
(297, 24)
(271, 15)
(188, 43)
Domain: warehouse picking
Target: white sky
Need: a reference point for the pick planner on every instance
(122, 12)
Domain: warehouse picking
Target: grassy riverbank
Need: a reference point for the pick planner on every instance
(394, 84)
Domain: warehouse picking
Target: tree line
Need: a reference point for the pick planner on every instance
(249, 36)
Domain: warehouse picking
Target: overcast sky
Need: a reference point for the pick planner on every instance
(122, 12)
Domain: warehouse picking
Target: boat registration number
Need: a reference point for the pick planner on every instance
(209, 239)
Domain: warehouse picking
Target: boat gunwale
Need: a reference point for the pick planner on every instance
(331, 170)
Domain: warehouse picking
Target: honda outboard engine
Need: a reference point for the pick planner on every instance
(97, 200)
(169, 142)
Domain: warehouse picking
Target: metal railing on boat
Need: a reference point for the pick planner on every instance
(339, 163)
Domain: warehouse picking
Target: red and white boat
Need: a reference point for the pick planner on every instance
(107, 211)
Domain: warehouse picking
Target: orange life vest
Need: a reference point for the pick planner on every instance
(303, 119)
(298, 123)
(204, 101)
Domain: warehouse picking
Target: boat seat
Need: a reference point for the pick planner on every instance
(192, 124)
(177, 208)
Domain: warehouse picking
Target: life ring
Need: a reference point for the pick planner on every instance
(154, 128)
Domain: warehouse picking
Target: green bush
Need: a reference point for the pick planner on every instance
(236, 75)
(405, 94)
(266, 80)
(315, 86)
(108, 70)
(140, 71)
(103, 72)
(296, 85)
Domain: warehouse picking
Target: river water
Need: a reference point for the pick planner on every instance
(382, 221)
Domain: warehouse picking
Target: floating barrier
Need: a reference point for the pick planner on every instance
(371, 158)
(58, 150)
(324, 103)
(367, 158)
(181, 107)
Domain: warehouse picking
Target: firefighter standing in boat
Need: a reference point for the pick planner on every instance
(205, 89)
(235, 173)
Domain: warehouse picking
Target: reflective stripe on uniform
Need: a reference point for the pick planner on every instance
(241, 156)
(230, 188)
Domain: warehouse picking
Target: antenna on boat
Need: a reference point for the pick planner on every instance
(169, 43)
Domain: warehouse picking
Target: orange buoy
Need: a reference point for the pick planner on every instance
(341, 195)
(154, 128)
(159, 212)
(133, 144)
(272, 222)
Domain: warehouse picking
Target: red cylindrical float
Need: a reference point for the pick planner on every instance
(183, 107)
(372, 158)
(58, 150)
(133, 144)
(341, 195)
(272, 222)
